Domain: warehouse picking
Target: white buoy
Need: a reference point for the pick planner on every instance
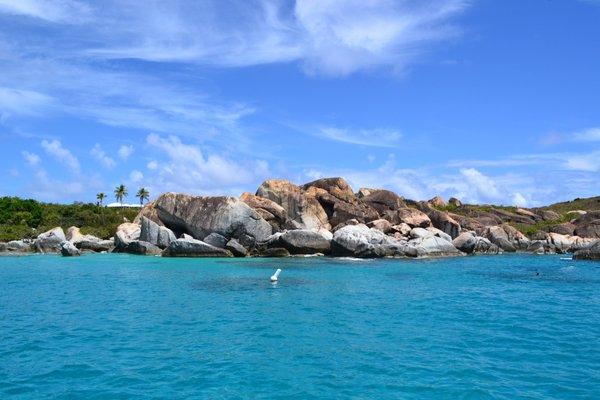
(275, 275)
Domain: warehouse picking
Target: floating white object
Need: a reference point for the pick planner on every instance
(276, 275)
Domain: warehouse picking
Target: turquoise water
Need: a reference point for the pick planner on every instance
(120, 326)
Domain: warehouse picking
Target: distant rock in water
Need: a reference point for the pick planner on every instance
(50, 241)
(194, 248)
(68, 249)
(591, 252)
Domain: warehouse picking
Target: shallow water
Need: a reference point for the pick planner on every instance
(120, 326)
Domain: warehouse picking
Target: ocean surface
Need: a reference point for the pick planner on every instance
(122, 326)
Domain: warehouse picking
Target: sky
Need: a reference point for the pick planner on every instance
(488, 101)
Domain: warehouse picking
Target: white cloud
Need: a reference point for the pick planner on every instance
(519, 200)
(22, 102)
(100, 155)
(125, 151)
(188, 169)
(61, 154)
(152, 165)
(588, 135)
(364, 137)
(332, 37)
(583, 162)
(32, 159)
(54, 11)
(136, 176)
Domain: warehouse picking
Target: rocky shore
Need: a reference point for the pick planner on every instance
(325, 217)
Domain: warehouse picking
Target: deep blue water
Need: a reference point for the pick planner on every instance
(120, 326)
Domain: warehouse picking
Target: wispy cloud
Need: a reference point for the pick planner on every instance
(63, 155)
(64, 11)
(125, 151)
(364, 137)
(31, 159)
(100, 155)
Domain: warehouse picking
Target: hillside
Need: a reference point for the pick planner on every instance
(27, 218)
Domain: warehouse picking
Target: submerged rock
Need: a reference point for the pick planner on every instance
(194, 248)
(275, 252)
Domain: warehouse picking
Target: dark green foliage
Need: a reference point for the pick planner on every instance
(28, 218)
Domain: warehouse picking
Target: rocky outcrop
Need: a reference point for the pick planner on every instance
(214, 239)
(588, 225)
(152, 232)
(437, 201)
(68, 249)
(141, 248)
(507, 238)
(434, 246)
(272, 212)
(17, 246)
(339, 201)
(194, 248)
(444, 222)
(96, 245)
(591, 252)
(303, 241)
(383, 225)
(49, 242)
(383, 201)
(236, 248)
(362, 241)
(303, 211)
(410, 216)
(200, 216)
(126, 233)
(469, 243)
(453, 201)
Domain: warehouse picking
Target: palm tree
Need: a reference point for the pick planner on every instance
(143, 194)
(100, 197)
(120, 193)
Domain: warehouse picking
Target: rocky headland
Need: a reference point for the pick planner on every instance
(328, 217)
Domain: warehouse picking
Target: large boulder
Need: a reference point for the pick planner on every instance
(588, 225)
(507, 238)
(383, 225)
(141, 248)
(434, 246)
(444, 222)
(303, 211)
(214, 239)
(126, 233)
(200, 216)
(410, 216)
(68, 249)
(49, 242)
(272, 212)
(339, 201)
(591, 252)
(362, 241)
(152, 232)
(194, 248)
(303, 241)
(437, 201)
(381, 200)
(236, 248)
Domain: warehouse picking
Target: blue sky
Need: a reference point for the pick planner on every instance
(489, 101)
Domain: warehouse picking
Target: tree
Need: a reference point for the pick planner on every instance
(100, 197)
(120, 193)
(143, 194)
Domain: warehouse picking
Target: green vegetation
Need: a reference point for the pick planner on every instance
(588, 204)
(28, 218)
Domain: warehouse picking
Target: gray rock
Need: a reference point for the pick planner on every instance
(465, 242)
(383, 225)
(303, 241)
(194, 248)
(362, 241)
(422, 233)
(542, 247)
(154, 233)
(236, 248)
(18, 246)
(439, 233)
(434, 246)
(68, 249)
(49, 242)
(142, 248)
(96, 245)
(201, 216)
(216, 240)
(592, 252)
(126, 233)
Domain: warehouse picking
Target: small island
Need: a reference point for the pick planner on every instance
(323, 217)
